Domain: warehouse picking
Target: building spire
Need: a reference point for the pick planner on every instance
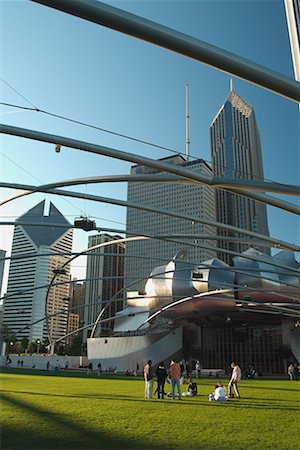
(231, 85)
(187, 121)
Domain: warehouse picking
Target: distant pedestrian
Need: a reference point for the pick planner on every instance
(234, 380)
(22, 362)
(198, 369)
(161, 374)
(291, 372)
(187, 368)
(99, 368)
(175, 372)
(296, 373)
(48, 365)
(148, 376)
(57, 367)
(19, 363)
(89, 369)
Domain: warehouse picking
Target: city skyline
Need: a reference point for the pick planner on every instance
(148, 104)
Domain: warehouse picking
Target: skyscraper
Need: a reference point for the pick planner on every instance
(76, 304)
(31, 267)
(195, 200)
(2, 263)
(236, 153)
(104, 279)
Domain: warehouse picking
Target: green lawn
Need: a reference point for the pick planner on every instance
(44, 411)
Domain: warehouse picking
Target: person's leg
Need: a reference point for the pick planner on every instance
(178, 388)
(158, 389)
(150, 388)
(173, 388)
(146, 389)
(235, 386)
(230, 389)
(163, 390)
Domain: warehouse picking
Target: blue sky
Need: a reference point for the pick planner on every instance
(86, 72)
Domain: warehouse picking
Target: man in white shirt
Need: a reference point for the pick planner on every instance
(234, 380)
(148, 376)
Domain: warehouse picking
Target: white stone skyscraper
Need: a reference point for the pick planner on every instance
(236, 153)
(196, 200)
(32, 266)
(2, 264)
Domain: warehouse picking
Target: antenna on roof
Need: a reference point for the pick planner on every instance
(231, 85)
(187, 121)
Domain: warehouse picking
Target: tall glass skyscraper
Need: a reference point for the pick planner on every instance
(236, 153)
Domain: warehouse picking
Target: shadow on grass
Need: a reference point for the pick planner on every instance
(69, 373)
(61, 432)
(244, 403)
(272, 388)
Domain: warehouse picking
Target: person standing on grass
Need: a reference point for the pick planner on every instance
(291, 372)
(161, 374)
(148, 376)
(198, 369)
(175, 373)
(89, 369)
(234, 380)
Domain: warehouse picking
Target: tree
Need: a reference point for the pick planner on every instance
(31, 348)
(5, 333)
(75, 348)
(18, 347)
(24, 344)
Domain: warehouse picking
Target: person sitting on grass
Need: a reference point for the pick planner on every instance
(219, 393)
(192, 388)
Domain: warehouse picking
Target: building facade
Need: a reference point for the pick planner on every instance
(37, 251)
(236, 153)
(2, 264)
(189, 199)
(104, 280)
(76, 306)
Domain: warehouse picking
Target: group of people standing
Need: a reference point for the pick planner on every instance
(175, 375)
(161, 374)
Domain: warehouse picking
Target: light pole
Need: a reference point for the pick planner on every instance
(38, 343)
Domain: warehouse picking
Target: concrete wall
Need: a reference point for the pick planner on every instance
(125, 353)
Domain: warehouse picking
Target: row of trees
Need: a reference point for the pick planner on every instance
(74, 348)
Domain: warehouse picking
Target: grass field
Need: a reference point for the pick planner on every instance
(72, 411)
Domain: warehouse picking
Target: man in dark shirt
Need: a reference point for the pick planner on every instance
(161, 374)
